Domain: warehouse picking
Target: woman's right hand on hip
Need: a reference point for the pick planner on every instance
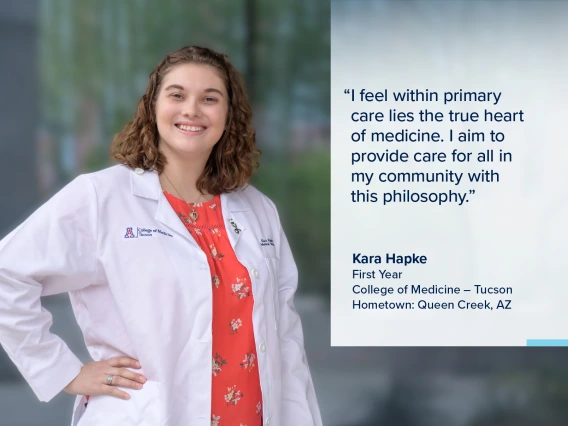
(102, 377)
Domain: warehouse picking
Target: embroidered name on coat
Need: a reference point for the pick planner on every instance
(266, 242)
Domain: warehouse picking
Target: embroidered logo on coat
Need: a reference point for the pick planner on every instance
(144, 232)
(236, 229)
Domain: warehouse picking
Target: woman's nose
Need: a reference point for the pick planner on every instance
(191, 108)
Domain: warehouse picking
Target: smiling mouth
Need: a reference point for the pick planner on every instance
(190, 128)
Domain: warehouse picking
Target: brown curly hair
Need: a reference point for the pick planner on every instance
(233, 159)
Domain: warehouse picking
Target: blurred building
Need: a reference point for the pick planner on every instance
(18, 120)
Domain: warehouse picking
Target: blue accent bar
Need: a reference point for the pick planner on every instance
(547, 342)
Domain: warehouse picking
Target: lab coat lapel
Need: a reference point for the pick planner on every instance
(147, 185)
(166, 215)
(234, 207)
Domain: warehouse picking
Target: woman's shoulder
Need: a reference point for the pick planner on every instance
(111, 179)
(109, 174)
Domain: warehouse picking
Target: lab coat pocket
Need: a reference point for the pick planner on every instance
(144, 408)
(272, 265)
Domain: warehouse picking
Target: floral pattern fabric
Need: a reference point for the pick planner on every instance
(236, 397)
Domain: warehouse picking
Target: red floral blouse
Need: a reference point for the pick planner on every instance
(236, 397)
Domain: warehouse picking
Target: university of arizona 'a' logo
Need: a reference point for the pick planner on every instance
(129, 233)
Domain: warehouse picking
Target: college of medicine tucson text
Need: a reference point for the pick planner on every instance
(420, 289)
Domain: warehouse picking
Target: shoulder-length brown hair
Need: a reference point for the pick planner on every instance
(233, 159)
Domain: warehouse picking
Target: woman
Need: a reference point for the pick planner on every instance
(179, 274)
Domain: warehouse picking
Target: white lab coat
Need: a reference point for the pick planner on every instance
(148, 298)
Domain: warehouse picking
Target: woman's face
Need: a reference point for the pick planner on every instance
(191, 111)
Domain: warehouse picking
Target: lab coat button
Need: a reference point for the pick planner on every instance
(255, 273)
(267, 421)
(138, 170)
(262, 347)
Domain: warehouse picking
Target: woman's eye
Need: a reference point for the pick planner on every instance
(209, 99)
(177, 95)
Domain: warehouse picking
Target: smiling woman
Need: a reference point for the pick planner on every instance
(191, 113)
(186, 310)
(193, 92)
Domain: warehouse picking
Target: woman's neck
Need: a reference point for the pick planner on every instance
(180, 178)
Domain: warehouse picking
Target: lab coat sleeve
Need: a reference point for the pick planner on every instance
(299, 403)
(53, 251)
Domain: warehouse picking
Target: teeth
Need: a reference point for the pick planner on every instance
(191, 128)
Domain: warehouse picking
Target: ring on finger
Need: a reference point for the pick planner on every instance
(109, 379)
